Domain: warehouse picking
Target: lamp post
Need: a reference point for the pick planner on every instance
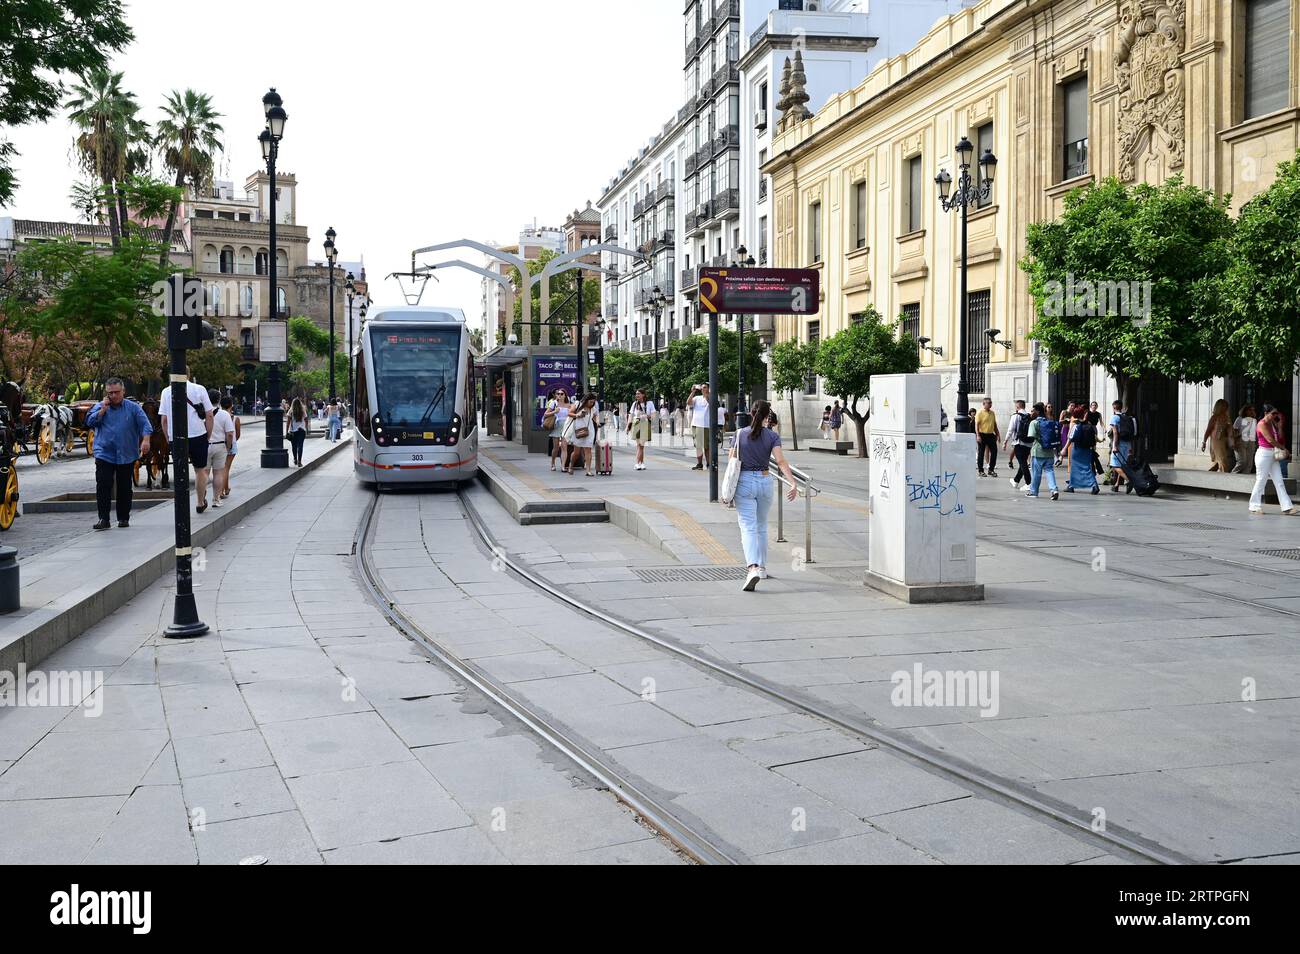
(275, 454)
(743, 260)
(351, 286)
(657, 302)
(331, 254)
(968, 193)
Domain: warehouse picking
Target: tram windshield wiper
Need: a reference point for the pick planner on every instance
(437, 400)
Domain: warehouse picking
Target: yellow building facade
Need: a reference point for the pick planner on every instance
(1064, 93)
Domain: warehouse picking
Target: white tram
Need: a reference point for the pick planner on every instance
(416, 398)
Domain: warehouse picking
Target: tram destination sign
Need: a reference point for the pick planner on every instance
(763, 291)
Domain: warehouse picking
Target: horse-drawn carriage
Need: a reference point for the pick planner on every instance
(8, 472)
(49, 430)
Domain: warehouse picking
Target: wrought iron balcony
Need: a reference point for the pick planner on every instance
(762, 255)
(692, 45)
(726, 203)
(611, 309)
(692, 223)
(666, 192)
(728, 137)
(611, 233)
(762, 188)
(638, 208)
(720, 261)
(665, 239)
(703, 156)
(248, 353)
(692, 161)
(728, 73)
(689, 278)
(685, 112)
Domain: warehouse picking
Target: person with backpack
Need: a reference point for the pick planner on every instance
(1078, 451)
(1269, 457)
(1021, 444)
(1045, 433)
(1123, 429)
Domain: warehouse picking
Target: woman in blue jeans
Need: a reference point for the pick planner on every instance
(756, 446)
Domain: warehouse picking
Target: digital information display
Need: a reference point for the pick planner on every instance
(762, 291)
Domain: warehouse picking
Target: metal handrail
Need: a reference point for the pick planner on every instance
(810, 490)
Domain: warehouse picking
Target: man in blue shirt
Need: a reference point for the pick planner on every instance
(121, 438)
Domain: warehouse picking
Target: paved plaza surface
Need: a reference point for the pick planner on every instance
(39, 533)
(305, 728)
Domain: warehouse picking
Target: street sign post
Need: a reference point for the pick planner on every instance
(184, 332)
(764, 291)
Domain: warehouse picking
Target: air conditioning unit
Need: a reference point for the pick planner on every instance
(760, 118)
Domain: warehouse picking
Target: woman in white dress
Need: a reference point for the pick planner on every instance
(581, 435)
(639, 418)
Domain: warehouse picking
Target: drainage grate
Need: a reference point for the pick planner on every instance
(1288, 554)
(1197, 526)
(567, 490)
(691, 574)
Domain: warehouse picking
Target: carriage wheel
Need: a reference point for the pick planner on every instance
(9, 501)
(90, 443)
(44, 449)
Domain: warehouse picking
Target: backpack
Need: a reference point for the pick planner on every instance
(1126, 429)
(1022, 431)
(1049, 433)
(1085, 435)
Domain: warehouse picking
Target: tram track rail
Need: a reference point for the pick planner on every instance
(1009, 793)
(701, 846)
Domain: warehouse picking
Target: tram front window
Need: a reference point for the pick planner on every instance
(415, 376)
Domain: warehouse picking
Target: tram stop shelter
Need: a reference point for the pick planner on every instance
(517, 379)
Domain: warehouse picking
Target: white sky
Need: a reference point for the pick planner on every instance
(409, 123)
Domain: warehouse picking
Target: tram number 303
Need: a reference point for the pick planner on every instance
(417, 457)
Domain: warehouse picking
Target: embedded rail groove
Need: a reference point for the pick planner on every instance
(699, 846)
(996, 788)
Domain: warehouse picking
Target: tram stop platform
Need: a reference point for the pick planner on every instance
(66, 590)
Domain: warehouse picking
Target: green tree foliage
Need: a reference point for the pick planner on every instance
(625, 371)
(307, 370)
(685, 363)
(792, 364)
(215, 367)
(564, 301)
(186, 138)
(848, 359)
(95, 309)
(1252, 319)
(1174, 236)
(40, 41)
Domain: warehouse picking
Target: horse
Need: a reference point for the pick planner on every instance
(157, 458)
(54, 423)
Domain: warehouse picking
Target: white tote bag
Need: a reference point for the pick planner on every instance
(727, 492)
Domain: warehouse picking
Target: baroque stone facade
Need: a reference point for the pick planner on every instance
(1165, 96)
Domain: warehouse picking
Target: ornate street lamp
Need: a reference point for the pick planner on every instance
(275, 454)
(743, 260)
(968, 193)
(331, 253)
(351, 287)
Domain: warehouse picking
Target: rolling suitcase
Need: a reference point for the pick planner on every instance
(1139, 473)
(605, 459)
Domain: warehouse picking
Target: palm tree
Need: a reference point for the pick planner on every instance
(187, 139)
(104, 114)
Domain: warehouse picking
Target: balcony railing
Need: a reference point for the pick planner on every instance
(762, 188)
(666, 192)
(248, 353)
(611, 233)
(703, 156)
(611, 310)
(762, 255)
(719, 261)
(638, 208)
(691, 162)
(665, 239)
(692, 45)
(728, 73)
(692, 223)
(689, 278)
(726, 202)
(728, 137)
(758, 34)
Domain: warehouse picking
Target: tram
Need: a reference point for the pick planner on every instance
(416, 406)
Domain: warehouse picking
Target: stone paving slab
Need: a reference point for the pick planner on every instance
(303, 731)
(1103, 676)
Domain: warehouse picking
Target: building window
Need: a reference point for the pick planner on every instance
(977, 341)
(1074, 109)
(911, 315)
(983, 141)
(814, 234)
(814, 336)
(1267, 56)
(914, 198)
(857, 318)
(860, 214)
